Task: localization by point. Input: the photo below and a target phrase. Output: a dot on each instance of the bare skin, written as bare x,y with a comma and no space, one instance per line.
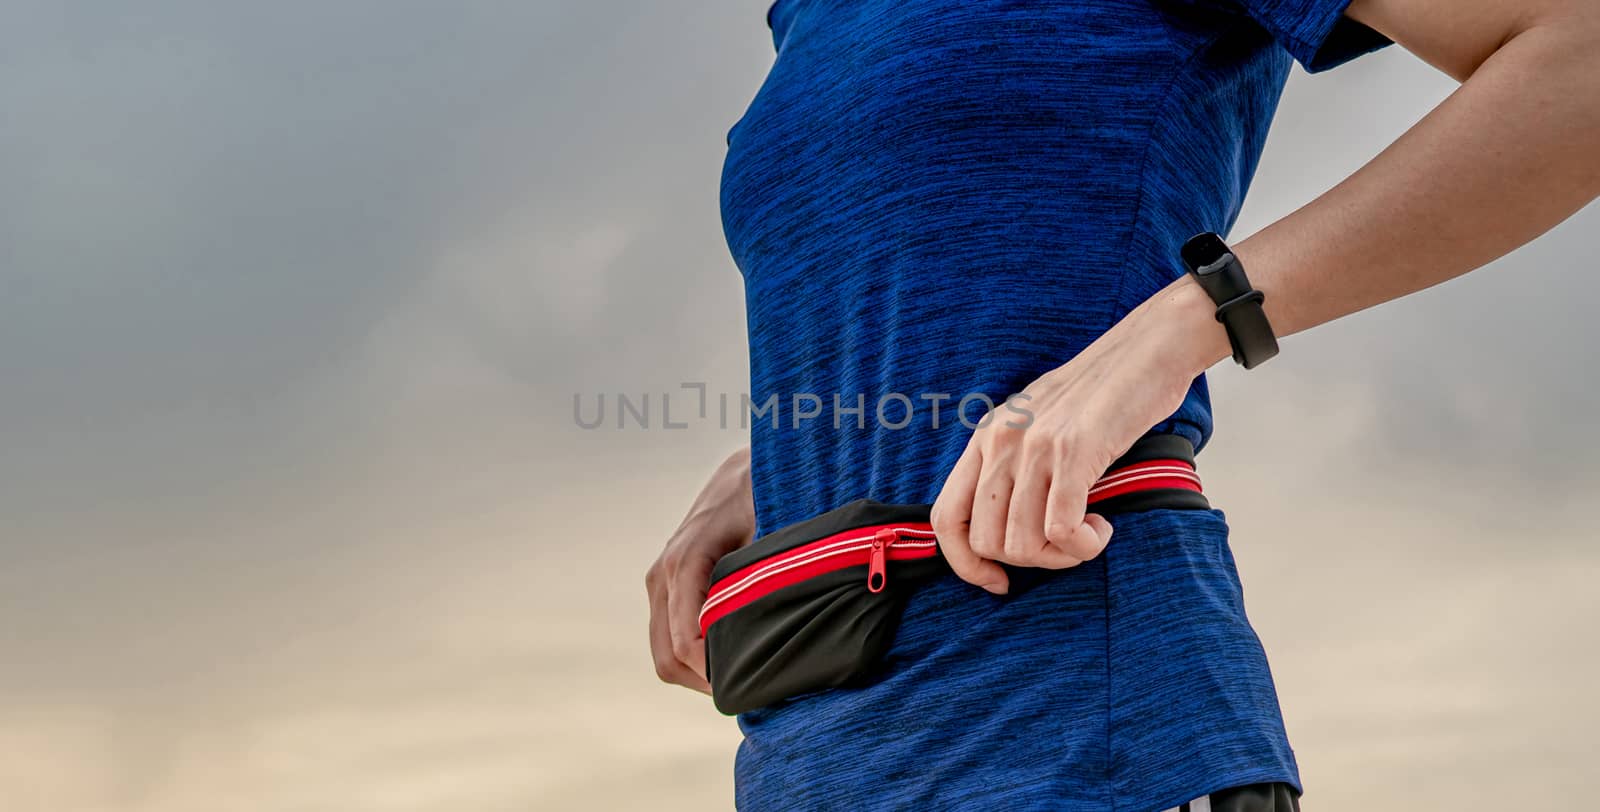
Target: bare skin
1510,154
721,520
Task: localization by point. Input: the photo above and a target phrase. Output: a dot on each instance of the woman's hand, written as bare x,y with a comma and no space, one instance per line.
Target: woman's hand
721,520
1019,492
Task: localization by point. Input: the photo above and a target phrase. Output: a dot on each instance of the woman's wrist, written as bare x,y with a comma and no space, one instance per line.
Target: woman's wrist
1182,320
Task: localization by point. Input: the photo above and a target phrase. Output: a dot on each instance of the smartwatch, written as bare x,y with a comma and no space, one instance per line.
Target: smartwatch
1221,276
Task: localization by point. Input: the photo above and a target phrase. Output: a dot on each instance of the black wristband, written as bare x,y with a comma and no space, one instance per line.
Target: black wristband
1222,277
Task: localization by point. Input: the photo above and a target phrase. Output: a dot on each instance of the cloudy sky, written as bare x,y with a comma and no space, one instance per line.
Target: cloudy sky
294,298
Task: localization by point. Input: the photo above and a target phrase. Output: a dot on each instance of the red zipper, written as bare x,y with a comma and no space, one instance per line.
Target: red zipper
877,545
877,559
874,546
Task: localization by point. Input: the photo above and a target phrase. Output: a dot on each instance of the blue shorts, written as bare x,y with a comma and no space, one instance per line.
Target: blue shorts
1131,682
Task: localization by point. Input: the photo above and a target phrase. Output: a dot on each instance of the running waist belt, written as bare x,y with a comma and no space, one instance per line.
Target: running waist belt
814,605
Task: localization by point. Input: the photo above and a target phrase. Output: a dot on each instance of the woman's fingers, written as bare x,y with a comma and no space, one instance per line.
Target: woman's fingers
1066,526
952,524
991,504
686,593
668,667
1009,500
1025,542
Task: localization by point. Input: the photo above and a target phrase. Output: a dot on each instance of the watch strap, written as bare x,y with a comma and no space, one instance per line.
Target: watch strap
1220,274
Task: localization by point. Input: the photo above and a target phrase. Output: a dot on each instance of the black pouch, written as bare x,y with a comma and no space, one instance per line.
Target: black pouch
815,605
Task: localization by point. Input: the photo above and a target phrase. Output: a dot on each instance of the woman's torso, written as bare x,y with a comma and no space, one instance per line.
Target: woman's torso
930,199
935,198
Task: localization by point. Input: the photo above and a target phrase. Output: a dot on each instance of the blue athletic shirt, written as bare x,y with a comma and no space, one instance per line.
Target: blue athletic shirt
933,202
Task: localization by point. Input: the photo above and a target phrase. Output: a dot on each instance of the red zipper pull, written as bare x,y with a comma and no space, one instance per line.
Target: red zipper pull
877,562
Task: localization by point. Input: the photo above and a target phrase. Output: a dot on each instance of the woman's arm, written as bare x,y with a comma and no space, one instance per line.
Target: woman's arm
1514,151
721,520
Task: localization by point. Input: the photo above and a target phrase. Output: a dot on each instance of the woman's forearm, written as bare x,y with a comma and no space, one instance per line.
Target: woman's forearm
1514,151
725,507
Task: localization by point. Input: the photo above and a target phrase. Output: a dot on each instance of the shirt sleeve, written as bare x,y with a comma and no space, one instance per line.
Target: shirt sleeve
1315,32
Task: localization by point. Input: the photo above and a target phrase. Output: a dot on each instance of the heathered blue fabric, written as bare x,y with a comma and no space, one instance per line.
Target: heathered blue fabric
947,197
